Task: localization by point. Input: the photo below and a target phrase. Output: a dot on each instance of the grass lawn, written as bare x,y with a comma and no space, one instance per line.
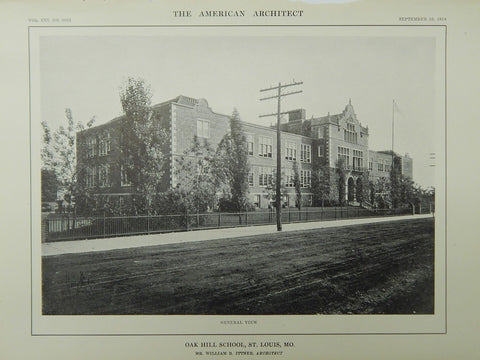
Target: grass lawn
363,269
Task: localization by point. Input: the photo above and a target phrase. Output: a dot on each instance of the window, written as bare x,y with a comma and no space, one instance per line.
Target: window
124,181
370,165
306,153
104,144
91,146
251,179
380,165
250,141
265,146
344,153
265,176
387,165
357,159
289,178
256,201
321,132
320,151
104,175
349,134
203,129
305,178
90,180
290,150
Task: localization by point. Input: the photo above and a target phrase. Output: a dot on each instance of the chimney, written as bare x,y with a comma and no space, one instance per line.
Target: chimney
298,114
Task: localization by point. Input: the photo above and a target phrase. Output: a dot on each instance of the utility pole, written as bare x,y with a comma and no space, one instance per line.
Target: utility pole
278,88
393,128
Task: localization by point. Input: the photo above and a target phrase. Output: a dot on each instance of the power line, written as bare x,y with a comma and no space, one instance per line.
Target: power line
279,96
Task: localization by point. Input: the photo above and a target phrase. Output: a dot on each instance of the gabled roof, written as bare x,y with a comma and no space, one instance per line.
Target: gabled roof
347,113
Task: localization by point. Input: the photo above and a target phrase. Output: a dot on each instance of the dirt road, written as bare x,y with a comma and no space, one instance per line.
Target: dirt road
364,269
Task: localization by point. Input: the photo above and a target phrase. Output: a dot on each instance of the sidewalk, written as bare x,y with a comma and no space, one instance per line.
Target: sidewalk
125,242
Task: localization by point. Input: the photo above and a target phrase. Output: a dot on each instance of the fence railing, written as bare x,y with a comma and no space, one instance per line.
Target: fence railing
68,227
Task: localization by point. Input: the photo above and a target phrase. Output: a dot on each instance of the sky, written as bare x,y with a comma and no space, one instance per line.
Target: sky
85,73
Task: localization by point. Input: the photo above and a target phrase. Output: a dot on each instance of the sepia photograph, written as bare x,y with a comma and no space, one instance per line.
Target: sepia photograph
179,177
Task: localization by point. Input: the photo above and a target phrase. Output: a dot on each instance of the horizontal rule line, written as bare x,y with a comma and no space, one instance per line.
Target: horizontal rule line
238,25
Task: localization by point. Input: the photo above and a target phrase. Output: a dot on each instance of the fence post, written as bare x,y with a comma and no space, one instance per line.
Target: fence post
246,215
335,212
186,218
198,220
148,222
104,225
219,219
289,220
306,214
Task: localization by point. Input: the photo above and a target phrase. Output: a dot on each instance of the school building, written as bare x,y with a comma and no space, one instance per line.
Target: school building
310,143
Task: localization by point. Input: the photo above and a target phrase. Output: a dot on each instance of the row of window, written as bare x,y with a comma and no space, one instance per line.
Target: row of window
383,165
265,144
265,149
100,176
287,200
349,134
103,145
357,159
266,176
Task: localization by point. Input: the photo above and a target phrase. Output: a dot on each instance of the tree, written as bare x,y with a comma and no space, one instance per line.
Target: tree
198,180
363,188
271,188
59,158
382,192
49,186
321,184
298,186
395,180
142,142
406,190
232,163
341,179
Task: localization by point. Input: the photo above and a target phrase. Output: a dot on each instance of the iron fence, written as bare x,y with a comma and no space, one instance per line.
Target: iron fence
59,227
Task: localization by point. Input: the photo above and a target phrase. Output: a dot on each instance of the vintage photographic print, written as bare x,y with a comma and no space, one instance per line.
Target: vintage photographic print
184,171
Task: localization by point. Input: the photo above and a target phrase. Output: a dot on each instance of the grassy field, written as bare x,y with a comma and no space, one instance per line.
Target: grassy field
364,269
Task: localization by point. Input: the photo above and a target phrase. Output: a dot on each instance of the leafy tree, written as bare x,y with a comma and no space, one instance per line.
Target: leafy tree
363,191
382,192
198,179
321,185
423,198
59,158
298,186
232,163
142,142
395,181
371,186
406,188
271,188
341,179
49,186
